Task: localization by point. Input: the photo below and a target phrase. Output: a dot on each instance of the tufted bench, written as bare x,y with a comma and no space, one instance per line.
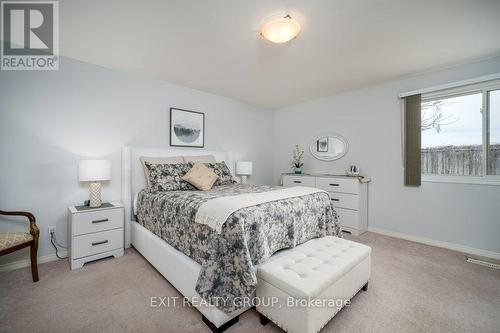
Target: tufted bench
302,288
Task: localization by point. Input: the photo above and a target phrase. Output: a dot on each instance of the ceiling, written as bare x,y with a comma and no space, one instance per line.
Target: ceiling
214,45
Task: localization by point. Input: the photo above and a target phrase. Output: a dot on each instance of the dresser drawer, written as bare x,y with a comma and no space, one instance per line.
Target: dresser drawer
343,185
95,221
289,181
348,218
86,245
345,200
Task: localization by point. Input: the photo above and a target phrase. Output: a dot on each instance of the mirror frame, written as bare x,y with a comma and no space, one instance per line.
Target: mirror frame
337,136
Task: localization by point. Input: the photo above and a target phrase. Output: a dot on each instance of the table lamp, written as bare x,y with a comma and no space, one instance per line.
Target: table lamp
244,169
94,171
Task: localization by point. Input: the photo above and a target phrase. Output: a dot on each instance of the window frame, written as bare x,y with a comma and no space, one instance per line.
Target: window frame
484,88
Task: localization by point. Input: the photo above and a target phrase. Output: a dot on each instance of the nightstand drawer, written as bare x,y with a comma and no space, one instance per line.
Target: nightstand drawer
86,245
95,221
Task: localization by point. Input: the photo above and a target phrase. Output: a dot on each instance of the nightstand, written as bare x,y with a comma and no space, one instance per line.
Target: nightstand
94,233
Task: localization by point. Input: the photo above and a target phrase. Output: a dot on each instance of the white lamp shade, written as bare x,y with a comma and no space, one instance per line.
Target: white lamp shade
244,168
94,170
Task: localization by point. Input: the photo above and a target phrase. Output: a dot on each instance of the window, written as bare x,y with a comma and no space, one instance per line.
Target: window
494,133
461,132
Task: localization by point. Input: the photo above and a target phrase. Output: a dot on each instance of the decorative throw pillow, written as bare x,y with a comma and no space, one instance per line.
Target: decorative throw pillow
158,160
222,171
201,177
168,177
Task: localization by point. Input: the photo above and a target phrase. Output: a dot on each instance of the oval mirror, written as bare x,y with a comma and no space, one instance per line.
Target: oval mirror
329,147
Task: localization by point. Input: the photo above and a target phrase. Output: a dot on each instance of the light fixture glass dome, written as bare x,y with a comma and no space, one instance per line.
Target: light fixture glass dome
280,30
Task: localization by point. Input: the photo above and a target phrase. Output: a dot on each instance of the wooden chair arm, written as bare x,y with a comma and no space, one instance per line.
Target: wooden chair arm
33,227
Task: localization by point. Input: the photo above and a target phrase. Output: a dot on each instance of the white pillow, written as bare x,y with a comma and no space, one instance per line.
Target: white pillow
200,159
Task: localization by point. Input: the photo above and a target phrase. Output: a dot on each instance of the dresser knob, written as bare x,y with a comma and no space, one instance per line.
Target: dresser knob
99,243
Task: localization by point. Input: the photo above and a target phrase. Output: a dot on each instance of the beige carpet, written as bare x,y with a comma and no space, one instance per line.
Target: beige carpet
414,288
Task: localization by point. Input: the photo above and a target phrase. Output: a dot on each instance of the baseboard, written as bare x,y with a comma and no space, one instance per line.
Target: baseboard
433,242
423,240
27,263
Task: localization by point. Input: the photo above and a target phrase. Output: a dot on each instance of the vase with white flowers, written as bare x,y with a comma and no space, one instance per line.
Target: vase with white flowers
297,160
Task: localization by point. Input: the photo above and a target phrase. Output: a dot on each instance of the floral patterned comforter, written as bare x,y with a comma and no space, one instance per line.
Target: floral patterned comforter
249,237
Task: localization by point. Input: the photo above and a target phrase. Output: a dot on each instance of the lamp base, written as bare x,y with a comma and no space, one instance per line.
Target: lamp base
243,179
95,194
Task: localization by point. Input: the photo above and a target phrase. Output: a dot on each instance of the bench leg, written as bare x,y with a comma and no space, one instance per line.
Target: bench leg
222,328
365,287
263,320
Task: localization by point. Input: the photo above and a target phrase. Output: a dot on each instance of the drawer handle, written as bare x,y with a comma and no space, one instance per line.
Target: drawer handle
334,199
334,184
297,182
99,243
100,221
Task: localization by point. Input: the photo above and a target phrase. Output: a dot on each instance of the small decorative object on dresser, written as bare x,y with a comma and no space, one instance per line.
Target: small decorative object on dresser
349,196
187,128
353,171
297,160
94,233
244,169
94,171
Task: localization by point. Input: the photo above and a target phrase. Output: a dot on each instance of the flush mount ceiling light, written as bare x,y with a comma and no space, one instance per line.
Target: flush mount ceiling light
280,30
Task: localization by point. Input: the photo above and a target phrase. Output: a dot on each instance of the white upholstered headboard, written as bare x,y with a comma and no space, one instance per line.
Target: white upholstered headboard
133,179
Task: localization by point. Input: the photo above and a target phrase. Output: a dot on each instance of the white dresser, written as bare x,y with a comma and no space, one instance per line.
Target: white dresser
94,233
348,194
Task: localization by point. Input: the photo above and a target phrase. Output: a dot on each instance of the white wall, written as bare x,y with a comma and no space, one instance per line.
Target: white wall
370,119
49,120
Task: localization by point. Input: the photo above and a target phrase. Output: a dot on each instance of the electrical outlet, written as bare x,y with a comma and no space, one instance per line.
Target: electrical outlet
52,229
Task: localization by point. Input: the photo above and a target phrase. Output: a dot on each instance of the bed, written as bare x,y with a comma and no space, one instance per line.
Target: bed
204,264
